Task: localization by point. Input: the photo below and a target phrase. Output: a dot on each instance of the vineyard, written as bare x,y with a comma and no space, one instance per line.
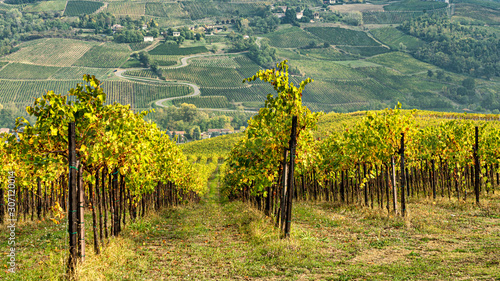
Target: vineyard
54,52
415,5
27,71
126,8
342,36
120,146
139,46
141,73
104,56
141,95
393,37
365,51
138,95
75,73
389,17
166,10
204,102
173,49
76,8
205,76
401,62
197,10
254,93
292,37
218,61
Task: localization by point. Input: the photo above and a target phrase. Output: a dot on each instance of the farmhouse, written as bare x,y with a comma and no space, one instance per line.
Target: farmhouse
177,34
117,27
148,39
299,15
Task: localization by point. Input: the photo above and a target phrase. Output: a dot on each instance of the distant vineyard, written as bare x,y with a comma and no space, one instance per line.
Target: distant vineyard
293,37
216,61
205,77
141,73
78,72
204,102
254,93
365,51
199,10
415,5
372,17
164,60
27,71
76,8
328,70
393,37
342,36
104,56
173,49
139,46
166,10
126,8
54,51
247,67
23,93
140,95
402,62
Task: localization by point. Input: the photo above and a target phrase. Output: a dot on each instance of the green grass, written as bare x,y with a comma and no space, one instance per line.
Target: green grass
77,8
175,50
393,37
292,37
342,36
104,56
27,71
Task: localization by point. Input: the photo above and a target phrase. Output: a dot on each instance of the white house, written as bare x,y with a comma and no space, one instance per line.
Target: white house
177,34
148,39
299,15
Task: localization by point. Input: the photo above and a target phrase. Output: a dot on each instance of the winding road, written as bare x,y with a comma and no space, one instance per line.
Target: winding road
196,88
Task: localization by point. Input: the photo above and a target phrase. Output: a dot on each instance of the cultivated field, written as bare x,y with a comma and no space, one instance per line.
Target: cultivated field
51,52
357,8
104,56
127,8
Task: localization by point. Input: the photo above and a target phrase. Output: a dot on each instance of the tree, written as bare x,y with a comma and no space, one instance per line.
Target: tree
469,83
196,133
430,73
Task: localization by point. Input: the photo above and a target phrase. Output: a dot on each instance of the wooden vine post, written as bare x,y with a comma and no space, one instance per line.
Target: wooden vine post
81,213
73,200
394,189
402,175
477,168
293,143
